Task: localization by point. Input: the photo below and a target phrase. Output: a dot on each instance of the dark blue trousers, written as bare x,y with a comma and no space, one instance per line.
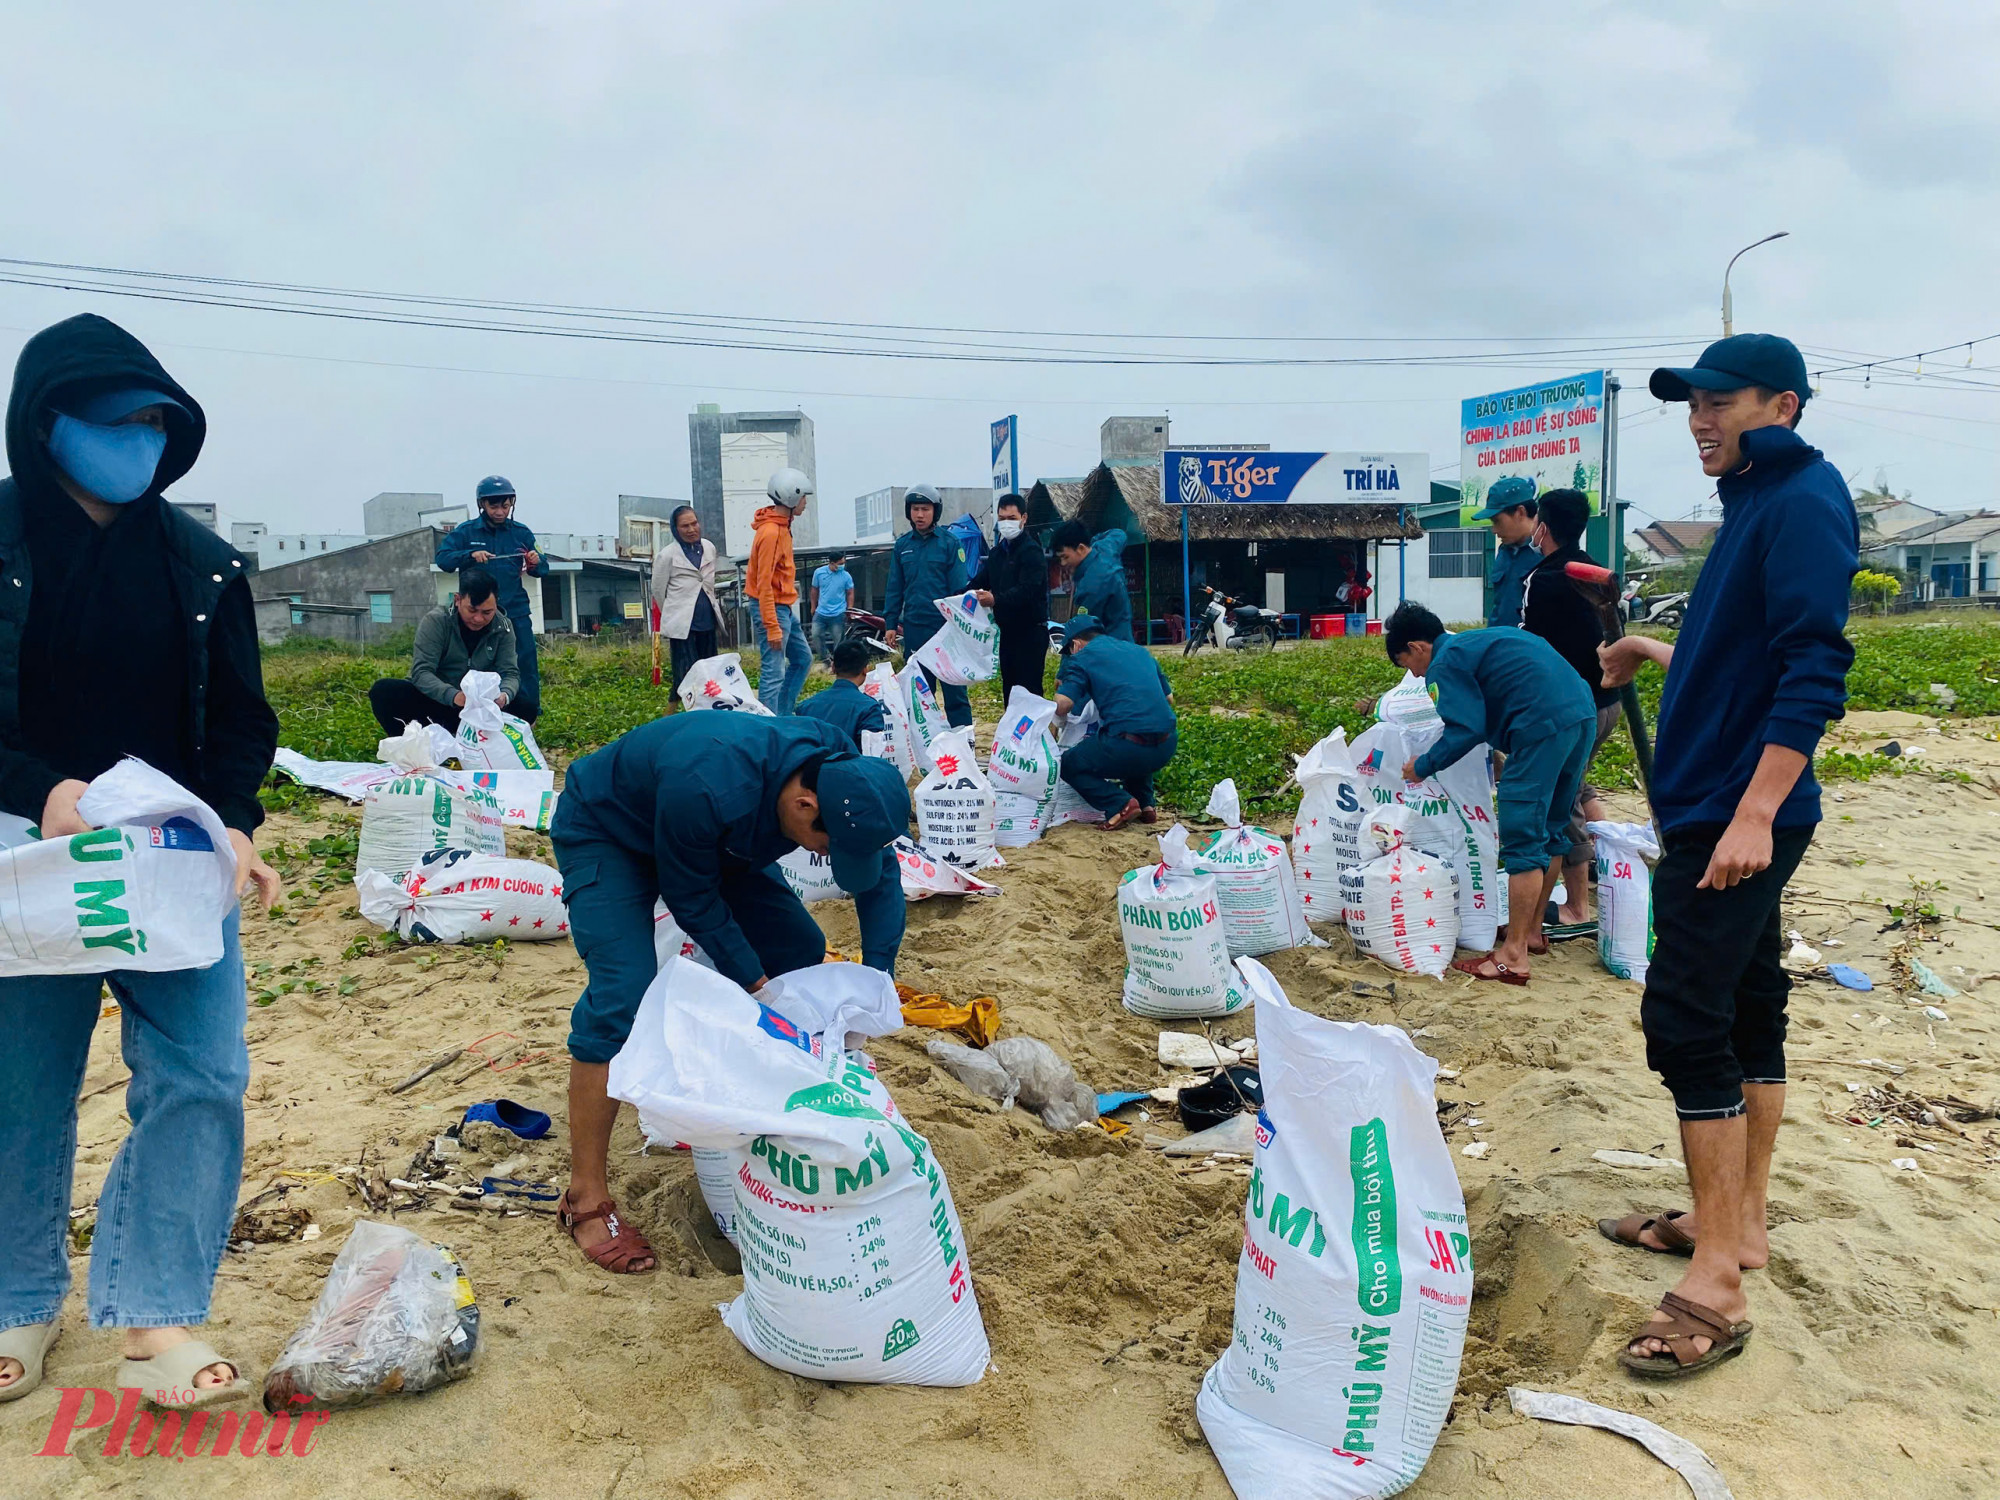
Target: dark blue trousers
1107,770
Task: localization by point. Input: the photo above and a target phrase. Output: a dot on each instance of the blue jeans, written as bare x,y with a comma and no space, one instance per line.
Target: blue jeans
1108,770
783,667
611,891
828,631
164,1213
957,702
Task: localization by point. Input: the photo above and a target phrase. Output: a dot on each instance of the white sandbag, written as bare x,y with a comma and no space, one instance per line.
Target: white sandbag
490,738
1625,855
1176,959
1409,705
893,743
1261,912
412,750
526,799
1017,821
352,779
954,804
925,875
967,648
1450,818
406,818
1068,806
810,876
1326,835
451,896
854,1266
1355,1280
148,888
1023,762
669,941
1402,906
921,715
718,682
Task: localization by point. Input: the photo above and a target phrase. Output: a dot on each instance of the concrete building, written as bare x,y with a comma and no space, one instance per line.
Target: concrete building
576,544
732,456
1951,557
879,518
199,511
266,548
396,511
643,524
359,592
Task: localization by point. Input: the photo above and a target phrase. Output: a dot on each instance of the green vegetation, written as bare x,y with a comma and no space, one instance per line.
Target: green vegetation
1241,716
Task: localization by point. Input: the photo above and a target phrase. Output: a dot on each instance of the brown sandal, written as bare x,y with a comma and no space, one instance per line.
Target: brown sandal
1501,973
615,1254
1674,1240
1686,1321
1129,813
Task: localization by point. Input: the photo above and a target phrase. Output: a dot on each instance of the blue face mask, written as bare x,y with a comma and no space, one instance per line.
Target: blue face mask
113,464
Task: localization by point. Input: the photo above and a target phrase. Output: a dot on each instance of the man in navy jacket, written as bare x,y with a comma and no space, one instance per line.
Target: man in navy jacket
501,545
1759,669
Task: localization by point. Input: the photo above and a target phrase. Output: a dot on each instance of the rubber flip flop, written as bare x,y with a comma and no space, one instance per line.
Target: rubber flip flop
1504,976
528,1124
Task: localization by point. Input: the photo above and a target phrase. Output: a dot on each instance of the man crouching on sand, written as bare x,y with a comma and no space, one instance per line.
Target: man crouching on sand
1759,669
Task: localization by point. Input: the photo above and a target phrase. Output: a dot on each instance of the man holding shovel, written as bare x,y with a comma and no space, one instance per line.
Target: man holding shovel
1759,669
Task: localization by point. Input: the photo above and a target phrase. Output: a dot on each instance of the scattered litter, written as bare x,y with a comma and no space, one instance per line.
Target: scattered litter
1903,1163
1230,1092
1635,1159
396,1316
1474,1124
528,1124
1849,976
1447,1072
1477,1149
978,1020
1854,1088
1944,695
1935,1014
1108,1102
1802,954
1680,1455
1237,1133
1186,1049
1044,1083
310,1233
1930,981
974,1069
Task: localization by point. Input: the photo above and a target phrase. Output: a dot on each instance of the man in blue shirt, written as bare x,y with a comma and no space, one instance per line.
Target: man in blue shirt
927,564
694,811
1759,669
1513,691
1510,506
845,705
501,545
1113,770
832,586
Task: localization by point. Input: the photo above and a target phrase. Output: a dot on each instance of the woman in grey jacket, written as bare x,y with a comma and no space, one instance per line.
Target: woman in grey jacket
684,593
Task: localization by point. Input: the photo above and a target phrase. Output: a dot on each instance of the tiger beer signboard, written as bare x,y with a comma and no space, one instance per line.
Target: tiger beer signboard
1211,476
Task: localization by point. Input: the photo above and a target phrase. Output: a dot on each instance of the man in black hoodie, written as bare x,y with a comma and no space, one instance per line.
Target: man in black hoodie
1552,608
125,630
1013,582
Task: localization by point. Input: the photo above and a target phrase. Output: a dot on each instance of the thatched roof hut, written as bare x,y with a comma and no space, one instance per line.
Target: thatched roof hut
1128,495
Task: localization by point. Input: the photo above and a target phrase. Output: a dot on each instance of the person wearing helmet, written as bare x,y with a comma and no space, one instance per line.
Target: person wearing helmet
771,578
926,565
501,545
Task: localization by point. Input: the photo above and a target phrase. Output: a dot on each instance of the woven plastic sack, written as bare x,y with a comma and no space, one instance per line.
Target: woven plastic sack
1355,1279
1326,835
810,876
891,744
954,804
1261,911
1625,855
925,875
1451,816
967,647
921,714
1176,958
718,682
1023,762
490,738
1402,906
411,816
451,896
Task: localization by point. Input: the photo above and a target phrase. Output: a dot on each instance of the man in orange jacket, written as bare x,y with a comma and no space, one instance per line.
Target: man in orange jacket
772,579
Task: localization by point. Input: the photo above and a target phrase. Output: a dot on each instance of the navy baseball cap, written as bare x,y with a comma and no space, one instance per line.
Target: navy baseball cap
1736,363
865,804
1505,495
109,407
1077,625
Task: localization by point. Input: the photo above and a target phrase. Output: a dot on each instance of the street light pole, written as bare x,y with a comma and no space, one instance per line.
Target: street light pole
1728,324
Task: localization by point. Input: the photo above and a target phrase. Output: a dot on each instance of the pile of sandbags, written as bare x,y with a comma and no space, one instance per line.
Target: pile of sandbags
1354,1285
1402,905
1261,911
1176,958
452,896
147,888
408,817
854,1264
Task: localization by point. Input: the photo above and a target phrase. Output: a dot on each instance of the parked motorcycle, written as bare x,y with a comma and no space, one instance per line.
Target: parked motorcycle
1664,610
1231,625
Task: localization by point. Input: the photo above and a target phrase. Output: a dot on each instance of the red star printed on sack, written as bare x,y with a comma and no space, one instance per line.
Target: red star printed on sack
486,916
562,927
557,893
1427,895
513,921
1307,898
538,921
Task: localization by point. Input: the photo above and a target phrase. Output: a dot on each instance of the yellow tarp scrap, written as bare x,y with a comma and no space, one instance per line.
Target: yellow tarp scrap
978,1021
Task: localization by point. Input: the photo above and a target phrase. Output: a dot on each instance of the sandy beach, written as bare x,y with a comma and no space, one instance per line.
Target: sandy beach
1105,1271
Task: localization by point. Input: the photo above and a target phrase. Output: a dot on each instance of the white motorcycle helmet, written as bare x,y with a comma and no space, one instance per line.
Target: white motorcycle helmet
789,488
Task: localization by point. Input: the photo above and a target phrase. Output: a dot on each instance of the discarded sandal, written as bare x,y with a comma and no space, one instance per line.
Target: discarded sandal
528,1124
615,1254
1501,972
1686,1322
167,1379
29,1346
1673,1239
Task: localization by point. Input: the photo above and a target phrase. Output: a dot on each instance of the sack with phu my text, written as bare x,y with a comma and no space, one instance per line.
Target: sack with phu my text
1176,957
1355,1279
1253,878
967,647
1402,906
924,720
854,1262
1625,855
891,744
147,888
954,805
452,896
1023,762
405,819
489,738
1326,836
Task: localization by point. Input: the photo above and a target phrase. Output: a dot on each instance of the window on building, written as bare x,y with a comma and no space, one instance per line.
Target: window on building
298,615
382,608
281,544
1457,554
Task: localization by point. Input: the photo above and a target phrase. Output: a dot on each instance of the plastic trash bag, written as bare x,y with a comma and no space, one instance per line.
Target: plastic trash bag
147,888
1044,1083
974,1069
1355,1279
396,1316
1625,854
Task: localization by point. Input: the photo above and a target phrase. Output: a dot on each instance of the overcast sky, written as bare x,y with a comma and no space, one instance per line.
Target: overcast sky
1405,170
